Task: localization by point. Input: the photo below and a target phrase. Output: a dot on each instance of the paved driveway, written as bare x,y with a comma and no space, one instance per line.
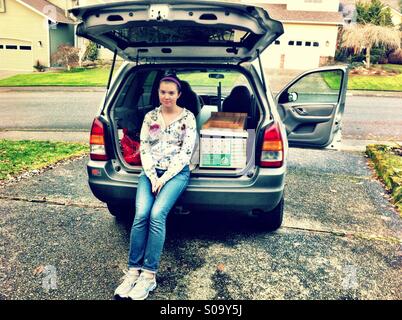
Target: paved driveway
9,73
341,239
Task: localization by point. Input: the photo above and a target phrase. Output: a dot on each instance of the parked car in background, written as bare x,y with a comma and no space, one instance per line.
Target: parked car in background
211,47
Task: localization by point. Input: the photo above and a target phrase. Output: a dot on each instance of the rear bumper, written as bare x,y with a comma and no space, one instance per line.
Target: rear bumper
263,191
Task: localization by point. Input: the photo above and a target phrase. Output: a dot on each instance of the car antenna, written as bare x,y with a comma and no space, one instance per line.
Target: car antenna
110,78
261,70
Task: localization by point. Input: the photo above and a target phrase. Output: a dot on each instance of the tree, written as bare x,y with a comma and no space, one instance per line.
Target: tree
400,10
366,36
91,52
66,56
373,12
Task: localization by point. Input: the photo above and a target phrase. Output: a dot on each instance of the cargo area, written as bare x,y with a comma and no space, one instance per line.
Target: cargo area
226,112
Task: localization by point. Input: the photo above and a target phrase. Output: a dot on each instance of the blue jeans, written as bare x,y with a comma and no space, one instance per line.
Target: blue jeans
149,227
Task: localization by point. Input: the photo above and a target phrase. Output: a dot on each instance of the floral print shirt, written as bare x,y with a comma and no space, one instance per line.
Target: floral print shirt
166,147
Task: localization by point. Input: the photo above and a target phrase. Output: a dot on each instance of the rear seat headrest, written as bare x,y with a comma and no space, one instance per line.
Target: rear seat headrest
189,99
239,100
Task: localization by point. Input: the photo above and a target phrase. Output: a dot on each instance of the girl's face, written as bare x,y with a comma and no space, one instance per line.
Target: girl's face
168,94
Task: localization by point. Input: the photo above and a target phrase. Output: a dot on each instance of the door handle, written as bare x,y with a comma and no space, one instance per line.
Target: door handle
301,111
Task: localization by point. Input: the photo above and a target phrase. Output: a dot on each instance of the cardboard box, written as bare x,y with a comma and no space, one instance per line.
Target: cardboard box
226,120
223,149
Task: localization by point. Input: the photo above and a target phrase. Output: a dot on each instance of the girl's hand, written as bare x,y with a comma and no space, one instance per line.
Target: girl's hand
157,187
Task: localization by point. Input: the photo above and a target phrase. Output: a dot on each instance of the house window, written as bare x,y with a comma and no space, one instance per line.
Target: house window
277,42
2,6
308,43
1,46
298,43
25,48
316,44
291,43
11,47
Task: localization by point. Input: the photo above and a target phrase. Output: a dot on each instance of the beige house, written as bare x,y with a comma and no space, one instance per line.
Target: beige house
31,31
396,16
311,29
311,32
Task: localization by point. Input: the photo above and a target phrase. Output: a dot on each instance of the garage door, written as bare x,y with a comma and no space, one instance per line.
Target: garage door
15,55
302,55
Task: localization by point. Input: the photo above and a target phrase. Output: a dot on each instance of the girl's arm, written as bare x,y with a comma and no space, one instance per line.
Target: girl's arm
145,151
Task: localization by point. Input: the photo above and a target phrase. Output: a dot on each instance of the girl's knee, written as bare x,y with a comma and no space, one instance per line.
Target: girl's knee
141,214
158,214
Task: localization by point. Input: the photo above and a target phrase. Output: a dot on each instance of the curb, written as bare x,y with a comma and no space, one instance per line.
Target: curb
356,93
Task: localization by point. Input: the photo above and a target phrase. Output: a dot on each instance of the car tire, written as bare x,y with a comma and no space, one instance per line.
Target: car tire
272,220
121,212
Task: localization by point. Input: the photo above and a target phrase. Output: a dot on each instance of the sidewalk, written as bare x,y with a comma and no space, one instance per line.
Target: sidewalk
9,73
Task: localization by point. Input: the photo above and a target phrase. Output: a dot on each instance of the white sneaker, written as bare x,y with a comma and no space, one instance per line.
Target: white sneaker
129,280
142,288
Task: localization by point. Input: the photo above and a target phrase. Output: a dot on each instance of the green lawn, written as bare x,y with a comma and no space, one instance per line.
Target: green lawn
17,157
98,77
390,67
385,83
79,77
332,80
376,83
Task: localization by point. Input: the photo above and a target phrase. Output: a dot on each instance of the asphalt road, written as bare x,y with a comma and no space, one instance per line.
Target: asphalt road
366,118
341,239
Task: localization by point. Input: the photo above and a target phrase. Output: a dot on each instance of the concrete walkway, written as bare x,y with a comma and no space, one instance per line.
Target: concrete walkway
9,73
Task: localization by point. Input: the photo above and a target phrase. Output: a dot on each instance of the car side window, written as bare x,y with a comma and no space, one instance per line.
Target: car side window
145,98
316,87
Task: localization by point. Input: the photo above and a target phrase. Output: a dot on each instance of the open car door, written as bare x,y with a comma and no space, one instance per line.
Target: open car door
311,106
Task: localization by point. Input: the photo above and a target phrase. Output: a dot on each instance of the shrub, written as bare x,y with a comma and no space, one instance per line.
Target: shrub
356,64
66,56
39,67
395,57
387,162
91,52
89,64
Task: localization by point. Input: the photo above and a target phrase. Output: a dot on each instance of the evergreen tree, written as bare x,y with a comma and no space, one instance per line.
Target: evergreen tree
373,12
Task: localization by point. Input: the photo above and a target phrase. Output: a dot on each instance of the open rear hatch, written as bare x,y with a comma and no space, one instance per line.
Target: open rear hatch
167,30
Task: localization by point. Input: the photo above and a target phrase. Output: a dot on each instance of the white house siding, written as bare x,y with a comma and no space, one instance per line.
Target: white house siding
301,56
16,55
20,26
314,5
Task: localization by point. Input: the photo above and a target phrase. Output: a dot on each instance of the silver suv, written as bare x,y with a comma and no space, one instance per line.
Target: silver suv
214,48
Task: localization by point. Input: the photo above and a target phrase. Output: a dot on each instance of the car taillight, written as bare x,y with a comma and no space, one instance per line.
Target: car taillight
272,148
97,141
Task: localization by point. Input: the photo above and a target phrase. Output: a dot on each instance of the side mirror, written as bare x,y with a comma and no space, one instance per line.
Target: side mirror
292,96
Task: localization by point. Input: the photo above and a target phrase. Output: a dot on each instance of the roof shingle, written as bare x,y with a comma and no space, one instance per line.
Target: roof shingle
46,8
280,12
